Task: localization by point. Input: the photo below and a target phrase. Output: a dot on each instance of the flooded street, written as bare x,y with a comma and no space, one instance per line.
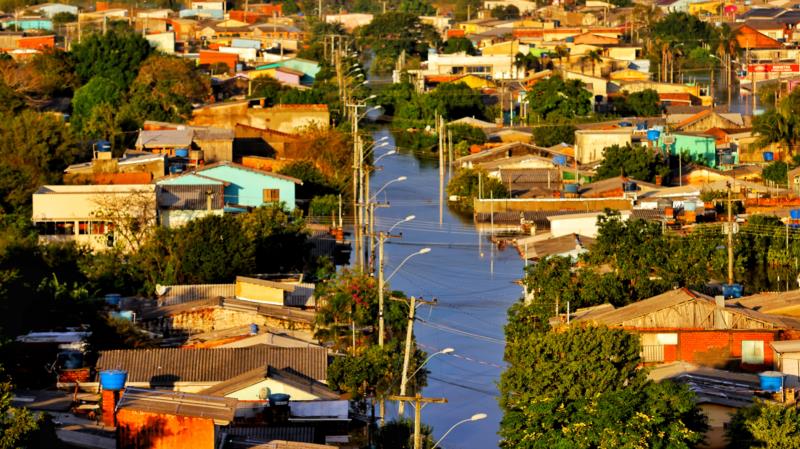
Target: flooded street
474,286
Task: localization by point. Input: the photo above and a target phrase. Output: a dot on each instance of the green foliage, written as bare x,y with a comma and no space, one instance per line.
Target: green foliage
399,434
64,17
115,55
632,161
641,104
35,148
765,425
466,133
780,125
776,172
581,387
505,12
452,100
458,45
324,206
315,183
532,63
388,35
86,102
548,135
684,28
554,98
469,184
16,424
417,7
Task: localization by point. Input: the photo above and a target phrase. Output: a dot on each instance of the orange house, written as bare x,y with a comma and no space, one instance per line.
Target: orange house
37,42
161,419
208,57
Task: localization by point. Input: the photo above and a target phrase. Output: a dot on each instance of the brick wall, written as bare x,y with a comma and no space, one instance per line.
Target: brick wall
137,429
718,348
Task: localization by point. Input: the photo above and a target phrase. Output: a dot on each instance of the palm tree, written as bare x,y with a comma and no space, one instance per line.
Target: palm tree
594,57
562,51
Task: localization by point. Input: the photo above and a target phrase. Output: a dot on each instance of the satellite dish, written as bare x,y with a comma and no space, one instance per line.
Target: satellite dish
161,290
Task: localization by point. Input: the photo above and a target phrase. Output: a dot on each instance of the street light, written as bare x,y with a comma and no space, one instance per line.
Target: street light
411,217
399,179
388,153
411,376
475,417
381,283
422,251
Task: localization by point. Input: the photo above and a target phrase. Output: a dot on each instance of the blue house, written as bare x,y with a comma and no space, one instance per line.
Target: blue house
243,186
28,23
699,147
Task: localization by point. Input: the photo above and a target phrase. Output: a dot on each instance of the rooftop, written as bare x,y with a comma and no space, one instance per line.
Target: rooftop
178,404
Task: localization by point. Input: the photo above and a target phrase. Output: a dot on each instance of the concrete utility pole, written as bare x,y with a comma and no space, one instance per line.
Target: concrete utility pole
418,400
412,309
441,129
730,238
356,164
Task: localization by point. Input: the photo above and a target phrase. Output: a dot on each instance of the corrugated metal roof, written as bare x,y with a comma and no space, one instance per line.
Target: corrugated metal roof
178,138
286,377
178,404
785,346
265,434
190,197
166,366
178,294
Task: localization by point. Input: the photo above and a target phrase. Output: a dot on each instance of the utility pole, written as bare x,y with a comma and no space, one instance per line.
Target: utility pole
418,400
450,154
441,168
730,238
320,10
356,163
412,309
382,236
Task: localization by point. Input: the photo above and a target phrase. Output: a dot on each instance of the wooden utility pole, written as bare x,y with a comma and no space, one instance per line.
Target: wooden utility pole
730,238
412,308
418,400
450,154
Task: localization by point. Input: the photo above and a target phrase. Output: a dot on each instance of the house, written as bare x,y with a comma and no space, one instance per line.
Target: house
750,38
530,182
50,9
82,213
695,146
787,361
134,167
704,120
309,69
27,24
718,393
180,204
538,247
578,223
615,188
161,419
195,143
210,58
258,383
195,370
243,186
286,118
524,6
684,325
776,303
589,143
499,152
349,21
163,42
495,67
265,143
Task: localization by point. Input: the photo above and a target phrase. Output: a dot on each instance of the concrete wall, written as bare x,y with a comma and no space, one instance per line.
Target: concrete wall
589,144
213,318
259,292
137,429
178,218
220,150
286,118
585,224
578,205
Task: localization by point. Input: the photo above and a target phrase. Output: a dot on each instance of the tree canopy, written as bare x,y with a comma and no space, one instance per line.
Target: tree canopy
115,55
458,45
554,98
635,162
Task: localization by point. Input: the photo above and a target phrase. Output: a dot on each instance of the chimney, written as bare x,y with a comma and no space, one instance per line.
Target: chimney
109,404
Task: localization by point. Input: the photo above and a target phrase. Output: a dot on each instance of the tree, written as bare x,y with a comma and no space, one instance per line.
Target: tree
554,98
418,7
780,125
115,55
454,101
765,425
133,217
35,148
642,104
776,172
635,162
549,135
315,183
592,57
275,231
469,184
99,90
393,33
505,12
581,387
458,45
16,424
166,88
466,133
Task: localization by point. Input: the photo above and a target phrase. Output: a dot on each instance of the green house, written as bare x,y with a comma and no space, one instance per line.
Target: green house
699,147
243,186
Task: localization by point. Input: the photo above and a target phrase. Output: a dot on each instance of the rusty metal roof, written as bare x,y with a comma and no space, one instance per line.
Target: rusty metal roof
166,366
178,404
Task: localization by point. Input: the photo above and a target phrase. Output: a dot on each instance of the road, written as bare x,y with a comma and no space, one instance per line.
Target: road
474,285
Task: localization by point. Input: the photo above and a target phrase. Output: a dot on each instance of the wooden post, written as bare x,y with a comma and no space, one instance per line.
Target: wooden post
418,400
730,238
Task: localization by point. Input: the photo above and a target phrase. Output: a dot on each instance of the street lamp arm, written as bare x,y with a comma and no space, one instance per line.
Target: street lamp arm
371,199
476,417
443,351
422,251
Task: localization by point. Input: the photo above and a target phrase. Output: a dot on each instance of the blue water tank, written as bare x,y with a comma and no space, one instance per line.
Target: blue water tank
176,168
253,329
570,39
182,152
113,380
795,214
571,188
653,135
278,399
771,381
560,159
113,299
768,156
629,186
732,290
103,145
690,206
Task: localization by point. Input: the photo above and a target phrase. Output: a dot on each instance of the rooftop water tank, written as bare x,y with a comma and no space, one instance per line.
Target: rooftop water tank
771,381
571,188
653,135
103,145
732,290
182,152
768,156
560,159
795,214
629,186
113,380
278,399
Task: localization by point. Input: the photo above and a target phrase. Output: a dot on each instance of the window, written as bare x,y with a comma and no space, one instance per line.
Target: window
667,339
83,227
272,195
753,352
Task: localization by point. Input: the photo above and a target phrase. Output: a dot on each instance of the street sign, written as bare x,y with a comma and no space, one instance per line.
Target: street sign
773,68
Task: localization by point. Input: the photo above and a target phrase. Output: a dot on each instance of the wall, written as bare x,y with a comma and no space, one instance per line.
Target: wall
247,186
251,393
137,430
589,145
178,218
216,318
578,205
164,42
717,348
697,146
284,118
217,150
258,292
586,224
212,57
718,417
